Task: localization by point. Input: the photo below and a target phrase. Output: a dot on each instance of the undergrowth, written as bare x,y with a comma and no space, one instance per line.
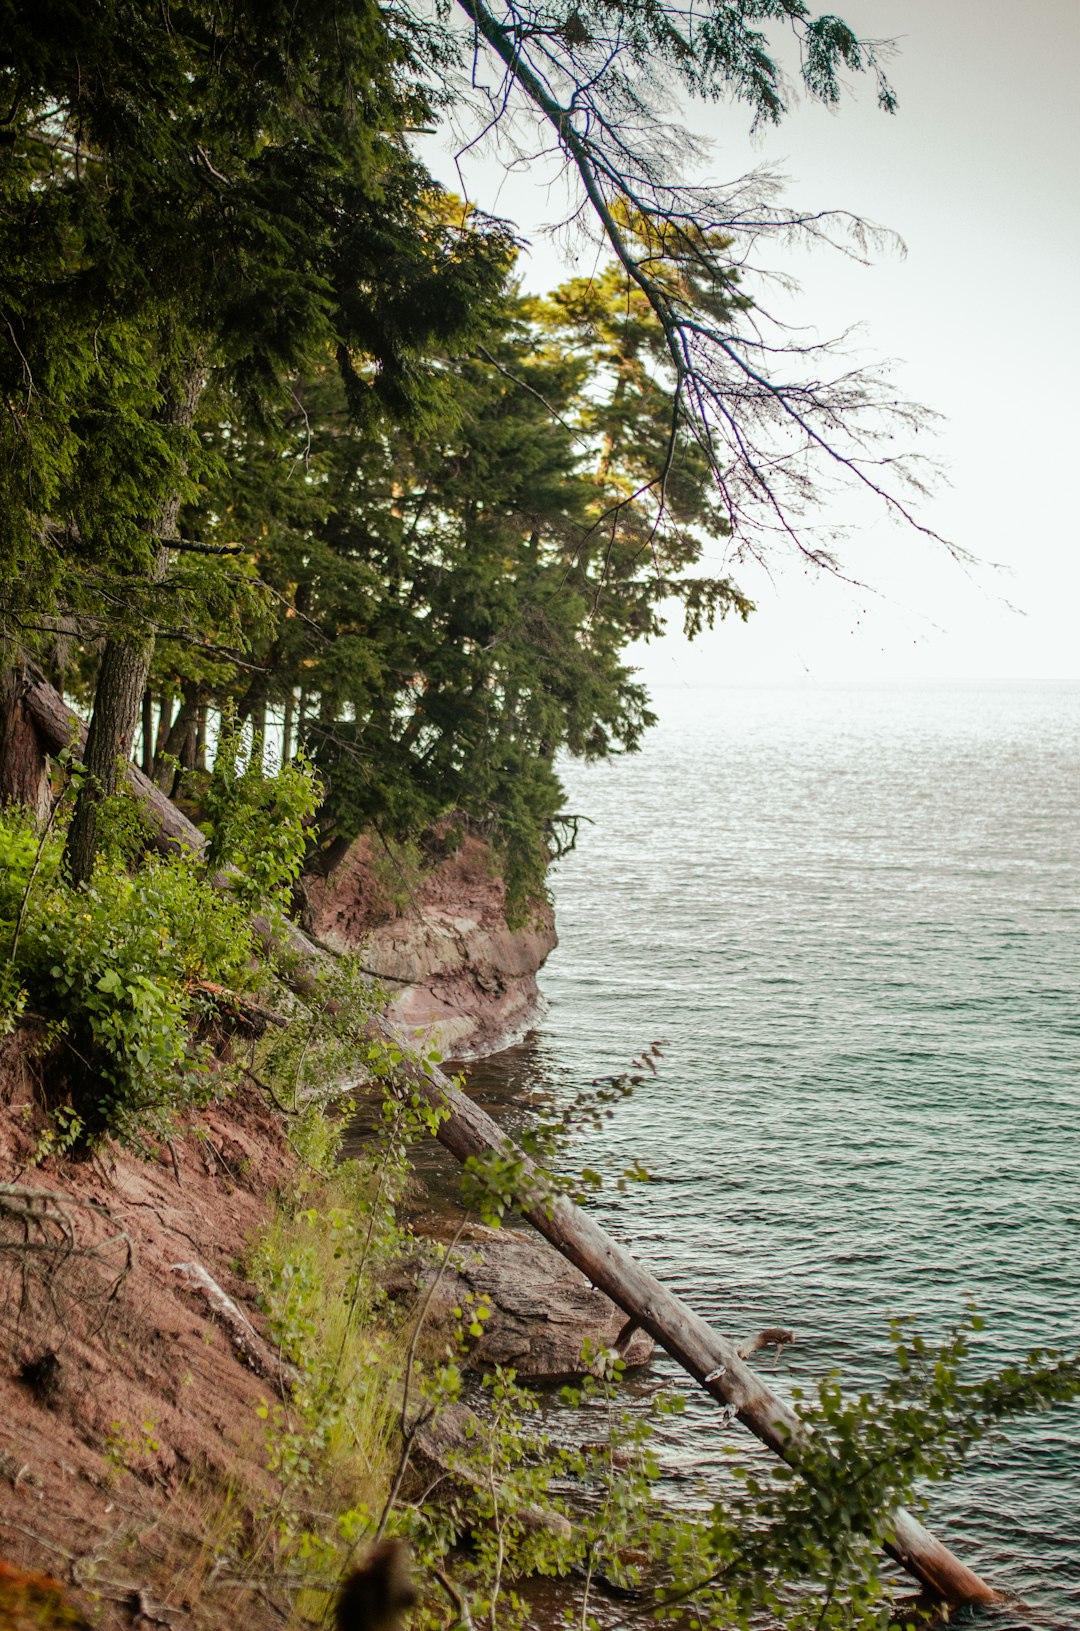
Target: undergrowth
507,1504
127,972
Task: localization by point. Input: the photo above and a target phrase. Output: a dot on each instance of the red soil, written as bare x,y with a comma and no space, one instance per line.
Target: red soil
126,1415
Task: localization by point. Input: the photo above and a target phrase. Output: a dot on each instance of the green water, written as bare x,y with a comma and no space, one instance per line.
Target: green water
855,916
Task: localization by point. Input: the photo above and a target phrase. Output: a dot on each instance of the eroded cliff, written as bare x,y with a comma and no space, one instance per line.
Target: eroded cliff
459,977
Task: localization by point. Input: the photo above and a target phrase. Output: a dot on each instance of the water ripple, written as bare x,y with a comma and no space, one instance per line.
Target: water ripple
856,917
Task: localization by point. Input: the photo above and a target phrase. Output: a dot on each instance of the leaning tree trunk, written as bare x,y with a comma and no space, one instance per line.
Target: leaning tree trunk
122,676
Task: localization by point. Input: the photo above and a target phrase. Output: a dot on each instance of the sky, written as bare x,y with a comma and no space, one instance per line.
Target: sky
979,173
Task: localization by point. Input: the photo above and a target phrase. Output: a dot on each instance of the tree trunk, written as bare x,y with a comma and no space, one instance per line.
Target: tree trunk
125,668
258,732
713,1360
125,664
179,746
287,726
185,754
200,737
164,726
24,761
59,726
148,732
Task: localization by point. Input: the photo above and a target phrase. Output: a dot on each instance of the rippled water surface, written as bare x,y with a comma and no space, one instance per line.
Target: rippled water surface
854,914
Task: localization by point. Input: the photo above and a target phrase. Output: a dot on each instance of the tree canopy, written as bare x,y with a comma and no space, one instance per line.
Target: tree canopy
272,399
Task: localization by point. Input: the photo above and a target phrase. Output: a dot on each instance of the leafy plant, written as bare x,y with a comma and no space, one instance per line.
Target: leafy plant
119,970
258,823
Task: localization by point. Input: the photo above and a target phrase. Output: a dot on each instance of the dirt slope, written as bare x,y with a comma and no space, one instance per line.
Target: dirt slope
129,1439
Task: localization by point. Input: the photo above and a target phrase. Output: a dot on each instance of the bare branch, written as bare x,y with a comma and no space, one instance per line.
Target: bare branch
776,431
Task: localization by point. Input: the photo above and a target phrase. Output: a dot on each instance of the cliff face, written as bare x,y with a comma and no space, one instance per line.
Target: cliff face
460,979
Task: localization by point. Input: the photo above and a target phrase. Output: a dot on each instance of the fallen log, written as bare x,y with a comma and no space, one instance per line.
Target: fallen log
712,1359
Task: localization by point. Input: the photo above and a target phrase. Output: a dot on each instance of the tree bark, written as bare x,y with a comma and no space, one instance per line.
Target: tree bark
180,742
122,676
148,731
287,726
59,726
200,737
164,726
125,664
711,1358
258,732
24,758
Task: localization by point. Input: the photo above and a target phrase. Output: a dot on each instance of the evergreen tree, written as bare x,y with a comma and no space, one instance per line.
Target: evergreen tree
448,610
194,198
432,565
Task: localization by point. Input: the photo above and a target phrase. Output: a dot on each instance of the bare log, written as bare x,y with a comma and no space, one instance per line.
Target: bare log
259,1354
712,1359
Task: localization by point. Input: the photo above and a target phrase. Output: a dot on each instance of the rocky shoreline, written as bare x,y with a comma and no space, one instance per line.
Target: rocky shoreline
459,977
127,1388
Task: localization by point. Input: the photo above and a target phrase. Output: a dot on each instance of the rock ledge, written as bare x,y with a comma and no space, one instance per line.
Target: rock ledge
460,978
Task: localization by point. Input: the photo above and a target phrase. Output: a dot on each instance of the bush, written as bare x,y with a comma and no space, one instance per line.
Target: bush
258,823
117,970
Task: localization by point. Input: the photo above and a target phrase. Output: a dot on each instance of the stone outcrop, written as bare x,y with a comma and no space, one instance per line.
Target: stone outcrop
458,976
543,1310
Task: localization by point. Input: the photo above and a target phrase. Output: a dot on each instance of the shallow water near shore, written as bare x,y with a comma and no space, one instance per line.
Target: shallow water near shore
854,914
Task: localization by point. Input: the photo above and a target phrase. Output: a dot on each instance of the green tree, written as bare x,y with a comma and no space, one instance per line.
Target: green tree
773,426
195,201
452,605
177,262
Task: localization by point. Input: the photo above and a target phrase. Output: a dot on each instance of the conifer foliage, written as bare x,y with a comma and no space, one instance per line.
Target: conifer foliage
277,430
196,201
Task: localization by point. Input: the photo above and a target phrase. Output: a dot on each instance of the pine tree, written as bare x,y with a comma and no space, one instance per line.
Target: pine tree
194,199
452,605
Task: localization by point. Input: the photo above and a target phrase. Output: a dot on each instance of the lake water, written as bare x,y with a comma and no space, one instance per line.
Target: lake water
854,914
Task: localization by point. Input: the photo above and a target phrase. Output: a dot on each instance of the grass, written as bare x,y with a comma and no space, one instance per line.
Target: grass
334,1445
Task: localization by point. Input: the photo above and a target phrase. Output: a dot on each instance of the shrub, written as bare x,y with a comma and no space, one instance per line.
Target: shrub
258,823
117,970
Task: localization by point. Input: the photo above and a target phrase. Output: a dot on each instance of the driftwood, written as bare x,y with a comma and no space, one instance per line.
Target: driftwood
775,1336
712,1359
258,1353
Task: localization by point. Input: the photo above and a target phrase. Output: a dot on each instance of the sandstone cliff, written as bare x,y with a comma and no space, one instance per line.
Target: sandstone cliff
459,977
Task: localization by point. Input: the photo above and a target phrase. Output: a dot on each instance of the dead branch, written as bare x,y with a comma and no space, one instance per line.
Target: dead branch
773,1335
258,1353
43,1242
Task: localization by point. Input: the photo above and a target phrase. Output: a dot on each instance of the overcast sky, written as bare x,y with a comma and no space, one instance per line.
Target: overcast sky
979,172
